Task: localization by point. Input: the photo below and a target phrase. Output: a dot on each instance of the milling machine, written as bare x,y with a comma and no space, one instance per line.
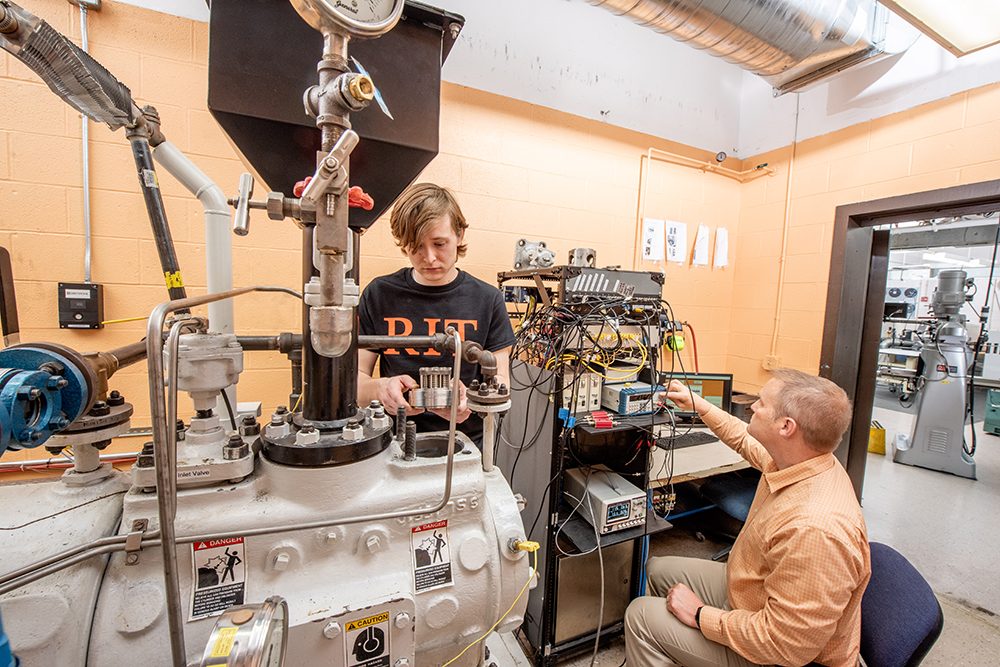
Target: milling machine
938,438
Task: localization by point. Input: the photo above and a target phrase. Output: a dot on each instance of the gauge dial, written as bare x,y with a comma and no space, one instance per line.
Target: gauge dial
360,18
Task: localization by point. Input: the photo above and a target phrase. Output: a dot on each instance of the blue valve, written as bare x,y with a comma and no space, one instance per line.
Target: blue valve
43,389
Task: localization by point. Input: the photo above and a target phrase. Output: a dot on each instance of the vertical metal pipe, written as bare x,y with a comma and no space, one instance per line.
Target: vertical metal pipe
489,440
85,134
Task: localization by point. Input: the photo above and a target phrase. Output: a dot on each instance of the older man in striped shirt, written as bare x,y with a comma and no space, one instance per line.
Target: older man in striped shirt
791,591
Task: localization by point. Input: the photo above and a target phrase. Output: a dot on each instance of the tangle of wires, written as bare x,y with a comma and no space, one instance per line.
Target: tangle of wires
557,346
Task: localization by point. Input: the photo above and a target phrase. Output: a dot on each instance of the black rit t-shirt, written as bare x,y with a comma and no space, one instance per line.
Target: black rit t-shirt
397,305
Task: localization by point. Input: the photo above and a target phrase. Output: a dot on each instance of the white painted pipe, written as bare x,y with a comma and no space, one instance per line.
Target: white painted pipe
218,238
218,242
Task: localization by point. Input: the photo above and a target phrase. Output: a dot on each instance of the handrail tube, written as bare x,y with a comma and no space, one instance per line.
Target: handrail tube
52,569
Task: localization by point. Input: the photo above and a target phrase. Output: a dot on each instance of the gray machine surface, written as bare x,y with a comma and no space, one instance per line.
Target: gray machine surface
938,439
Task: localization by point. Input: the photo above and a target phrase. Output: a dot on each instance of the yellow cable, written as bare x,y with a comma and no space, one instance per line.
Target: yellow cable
127,319
297,401
523,546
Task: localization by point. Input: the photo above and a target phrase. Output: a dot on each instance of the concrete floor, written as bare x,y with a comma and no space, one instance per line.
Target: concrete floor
945,526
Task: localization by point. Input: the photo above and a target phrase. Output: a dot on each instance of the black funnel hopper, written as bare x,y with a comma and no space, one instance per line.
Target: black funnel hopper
262,58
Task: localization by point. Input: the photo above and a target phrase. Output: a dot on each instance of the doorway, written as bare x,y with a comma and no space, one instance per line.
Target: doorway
855,295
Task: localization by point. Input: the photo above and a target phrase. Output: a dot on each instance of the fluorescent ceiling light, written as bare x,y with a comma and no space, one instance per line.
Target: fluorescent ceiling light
943,258
961,26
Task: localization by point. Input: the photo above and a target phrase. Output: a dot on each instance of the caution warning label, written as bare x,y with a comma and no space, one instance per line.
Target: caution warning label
431,556
367,641
219,576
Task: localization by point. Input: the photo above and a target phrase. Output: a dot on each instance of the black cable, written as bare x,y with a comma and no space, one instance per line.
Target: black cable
229,408
983,337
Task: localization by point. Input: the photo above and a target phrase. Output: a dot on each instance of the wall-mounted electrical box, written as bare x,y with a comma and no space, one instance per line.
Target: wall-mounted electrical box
81,306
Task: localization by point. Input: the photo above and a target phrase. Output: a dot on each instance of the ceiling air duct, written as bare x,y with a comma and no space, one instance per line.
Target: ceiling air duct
789,43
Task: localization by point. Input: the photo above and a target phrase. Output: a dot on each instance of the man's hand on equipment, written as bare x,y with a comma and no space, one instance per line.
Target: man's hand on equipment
685,399
463,411
683,603
392,393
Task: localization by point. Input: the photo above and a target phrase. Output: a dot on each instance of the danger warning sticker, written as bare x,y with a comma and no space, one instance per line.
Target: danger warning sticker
219,576
367,641
431,556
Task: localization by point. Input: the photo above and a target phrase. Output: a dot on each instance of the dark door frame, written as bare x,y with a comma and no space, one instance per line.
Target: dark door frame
856,292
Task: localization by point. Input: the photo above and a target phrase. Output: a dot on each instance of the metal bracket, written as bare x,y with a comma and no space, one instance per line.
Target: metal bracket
133,541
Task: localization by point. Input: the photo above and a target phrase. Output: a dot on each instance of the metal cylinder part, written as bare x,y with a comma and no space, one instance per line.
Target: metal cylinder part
434,391
950,293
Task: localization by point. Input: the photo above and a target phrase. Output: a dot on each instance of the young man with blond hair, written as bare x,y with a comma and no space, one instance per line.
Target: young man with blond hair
790,593
426,298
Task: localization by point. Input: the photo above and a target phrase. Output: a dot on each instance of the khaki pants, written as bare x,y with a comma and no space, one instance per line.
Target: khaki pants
655,638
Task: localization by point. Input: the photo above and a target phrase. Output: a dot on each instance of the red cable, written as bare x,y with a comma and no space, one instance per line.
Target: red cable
694,346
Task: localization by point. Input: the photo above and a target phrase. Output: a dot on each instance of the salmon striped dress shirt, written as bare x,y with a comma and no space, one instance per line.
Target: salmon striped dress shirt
797,572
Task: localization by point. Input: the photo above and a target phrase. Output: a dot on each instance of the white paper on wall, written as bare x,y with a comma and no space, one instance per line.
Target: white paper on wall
721,247
701,246
652,240
676,242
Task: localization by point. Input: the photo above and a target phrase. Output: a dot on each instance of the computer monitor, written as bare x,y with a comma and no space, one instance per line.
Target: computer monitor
716,388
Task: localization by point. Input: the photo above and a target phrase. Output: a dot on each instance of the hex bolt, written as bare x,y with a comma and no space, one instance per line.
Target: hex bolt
100,409
34,394
62,382
249,427
281,562
277,419
52,368
454,29
402,662
402,620
373,543
503,388
280,410
332,630
115,399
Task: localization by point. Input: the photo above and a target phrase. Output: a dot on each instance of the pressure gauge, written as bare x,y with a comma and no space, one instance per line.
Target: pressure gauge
360,18
250,635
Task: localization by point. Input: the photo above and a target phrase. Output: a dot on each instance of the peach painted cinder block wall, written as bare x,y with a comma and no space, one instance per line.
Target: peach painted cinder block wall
519,171
948,142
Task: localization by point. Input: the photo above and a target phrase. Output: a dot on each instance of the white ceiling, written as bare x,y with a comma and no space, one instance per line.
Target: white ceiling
573,57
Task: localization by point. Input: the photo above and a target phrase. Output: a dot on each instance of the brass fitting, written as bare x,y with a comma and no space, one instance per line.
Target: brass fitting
362,88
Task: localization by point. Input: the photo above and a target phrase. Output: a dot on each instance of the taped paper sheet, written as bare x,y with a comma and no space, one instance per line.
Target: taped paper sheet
721,247
701,246
676,242
652,240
